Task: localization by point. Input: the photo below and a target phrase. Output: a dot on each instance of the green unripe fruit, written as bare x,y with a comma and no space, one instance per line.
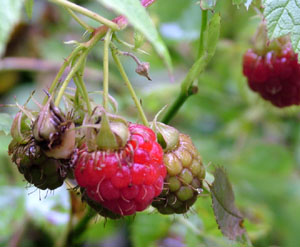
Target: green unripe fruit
185,172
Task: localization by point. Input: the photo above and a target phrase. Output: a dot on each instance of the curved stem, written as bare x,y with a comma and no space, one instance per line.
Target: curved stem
187,88
78,65
62,69
87,13
177,104
69,77
84,93
129,86
80,85
80,22
106,69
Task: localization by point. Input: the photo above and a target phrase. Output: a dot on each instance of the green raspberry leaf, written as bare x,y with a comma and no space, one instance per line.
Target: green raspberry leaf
139,18
5,123
228,217
10,12
283,18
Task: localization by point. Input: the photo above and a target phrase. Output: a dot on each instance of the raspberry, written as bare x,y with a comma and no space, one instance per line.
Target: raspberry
185,173
123,180
98,207
37,168
275,75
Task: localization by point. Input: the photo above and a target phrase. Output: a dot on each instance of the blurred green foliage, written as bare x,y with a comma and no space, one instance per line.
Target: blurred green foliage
258,145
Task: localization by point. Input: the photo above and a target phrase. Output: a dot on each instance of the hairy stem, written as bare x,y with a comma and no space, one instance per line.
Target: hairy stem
130,88
106,69
87,13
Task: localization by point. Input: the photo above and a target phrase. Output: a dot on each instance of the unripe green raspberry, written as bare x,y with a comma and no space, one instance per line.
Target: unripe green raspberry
185,173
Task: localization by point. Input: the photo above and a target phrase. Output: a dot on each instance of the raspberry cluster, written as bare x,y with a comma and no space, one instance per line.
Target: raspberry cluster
274,75
120,167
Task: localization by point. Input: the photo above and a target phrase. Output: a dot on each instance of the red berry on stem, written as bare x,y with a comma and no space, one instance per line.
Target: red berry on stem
274,74
124,180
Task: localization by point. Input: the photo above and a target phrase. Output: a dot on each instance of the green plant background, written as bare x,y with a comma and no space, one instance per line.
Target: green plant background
258,145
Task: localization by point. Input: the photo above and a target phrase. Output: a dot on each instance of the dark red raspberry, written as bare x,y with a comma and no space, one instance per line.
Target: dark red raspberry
275,75
124,180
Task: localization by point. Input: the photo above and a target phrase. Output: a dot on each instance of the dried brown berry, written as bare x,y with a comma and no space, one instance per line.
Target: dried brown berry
54,133
38,169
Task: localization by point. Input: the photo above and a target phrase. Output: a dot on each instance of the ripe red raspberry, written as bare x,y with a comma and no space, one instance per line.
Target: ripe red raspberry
275,75
123,180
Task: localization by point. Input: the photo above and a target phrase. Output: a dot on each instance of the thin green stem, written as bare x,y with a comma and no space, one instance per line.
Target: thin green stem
177,104
202,31
84,92
80,22
80,83
129,86
106,69
69,77
187,88
62,69
78,65
130,46
87,13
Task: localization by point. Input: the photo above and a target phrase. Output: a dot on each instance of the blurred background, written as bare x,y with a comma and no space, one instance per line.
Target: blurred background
258,145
